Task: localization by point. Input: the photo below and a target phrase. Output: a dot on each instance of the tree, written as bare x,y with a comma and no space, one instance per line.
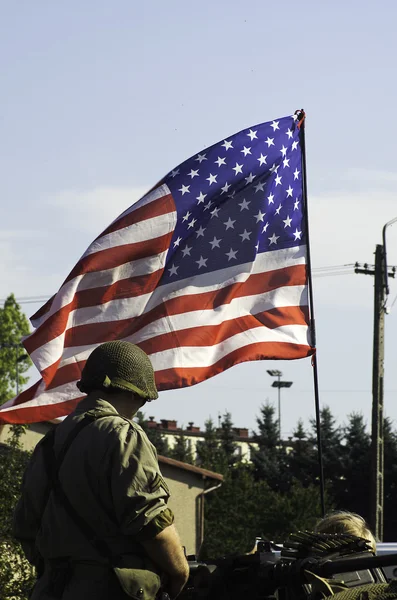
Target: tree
182,450
332,450
354,494
243,508
268,430
390,475
270,460
302,457
13,326
16,574
227,438
154,435
210,454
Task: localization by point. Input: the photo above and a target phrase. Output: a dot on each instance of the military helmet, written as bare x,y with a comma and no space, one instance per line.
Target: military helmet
119,365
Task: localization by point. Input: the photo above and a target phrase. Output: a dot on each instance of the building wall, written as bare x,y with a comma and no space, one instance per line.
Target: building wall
186,489
33,434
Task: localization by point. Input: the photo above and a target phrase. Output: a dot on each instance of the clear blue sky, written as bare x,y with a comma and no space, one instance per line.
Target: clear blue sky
101,99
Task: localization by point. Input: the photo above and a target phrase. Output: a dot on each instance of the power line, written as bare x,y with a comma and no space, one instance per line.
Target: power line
328,271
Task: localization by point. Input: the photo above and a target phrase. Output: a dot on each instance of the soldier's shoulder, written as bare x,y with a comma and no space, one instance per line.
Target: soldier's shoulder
133,426
117,421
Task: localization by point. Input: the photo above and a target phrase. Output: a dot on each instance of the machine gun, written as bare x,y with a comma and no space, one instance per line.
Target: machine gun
307,566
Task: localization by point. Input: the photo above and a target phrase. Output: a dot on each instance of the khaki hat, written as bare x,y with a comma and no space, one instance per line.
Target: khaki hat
119,365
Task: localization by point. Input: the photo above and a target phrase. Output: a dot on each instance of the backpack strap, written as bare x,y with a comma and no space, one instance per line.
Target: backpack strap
53,465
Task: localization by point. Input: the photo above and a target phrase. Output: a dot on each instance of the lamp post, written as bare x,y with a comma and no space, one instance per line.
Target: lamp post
279,384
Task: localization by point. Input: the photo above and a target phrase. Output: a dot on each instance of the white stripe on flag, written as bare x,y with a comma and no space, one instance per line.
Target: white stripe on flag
205,356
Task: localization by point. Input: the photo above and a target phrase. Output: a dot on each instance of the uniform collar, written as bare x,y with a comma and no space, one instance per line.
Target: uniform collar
89,403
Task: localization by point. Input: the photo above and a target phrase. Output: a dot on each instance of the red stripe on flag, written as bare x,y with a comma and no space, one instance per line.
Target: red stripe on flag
27,395
67,373
210,335
43,310
119,255
158,207
207,335
95,333
168,379
42,412
56,324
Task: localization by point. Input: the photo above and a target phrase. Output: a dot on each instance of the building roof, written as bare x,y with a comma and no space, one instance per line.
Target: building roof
204,473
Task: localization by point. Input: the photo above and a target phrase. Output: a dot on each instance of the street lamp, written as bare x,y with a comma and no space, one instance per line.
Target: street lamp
279,384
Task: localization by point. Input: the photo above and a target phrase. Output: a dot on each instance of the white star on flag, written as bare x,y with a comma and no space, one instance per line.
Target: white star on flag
214,212
225,188
250,178
231,254
173,270
201,197
259,187
227,145
212,178
252,135
229,224
200,231
245,235
215,243
244,204
186,250
202,262
238,168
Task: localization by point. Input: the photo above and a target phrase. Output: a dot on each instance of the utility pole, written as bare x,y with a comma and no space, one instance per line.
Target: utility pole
381,273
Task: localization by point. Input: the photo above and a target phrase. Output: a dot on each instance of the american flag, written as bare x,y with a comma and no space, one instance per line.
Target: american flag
206,271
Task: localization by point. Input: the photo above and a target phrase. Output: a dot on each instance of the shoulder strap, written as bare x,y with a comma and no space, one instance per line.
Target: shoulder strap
53,465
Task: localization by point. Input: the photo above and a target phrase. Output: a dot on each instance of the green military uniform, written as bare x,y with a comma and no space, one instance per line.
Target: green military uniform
111,476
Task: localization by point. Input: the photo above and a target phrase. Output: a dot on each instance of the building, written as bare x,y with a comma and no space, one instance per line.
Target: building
170,431
188,485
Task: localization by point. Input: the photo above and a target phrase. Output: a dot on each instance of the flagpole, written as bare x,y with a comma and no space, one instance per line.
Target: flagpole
301,124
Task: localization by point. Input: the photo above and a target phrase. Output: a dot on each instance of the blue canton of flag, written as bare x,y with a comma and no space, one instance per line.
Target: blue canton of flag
239,197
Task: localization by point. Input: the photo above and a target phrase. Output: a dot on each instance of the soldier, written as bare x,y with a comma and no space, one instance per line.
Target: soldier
93,515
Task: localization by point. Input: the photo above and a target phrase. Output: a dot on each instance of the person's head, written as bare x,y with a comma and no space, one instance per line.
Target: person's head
121,373
343,521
